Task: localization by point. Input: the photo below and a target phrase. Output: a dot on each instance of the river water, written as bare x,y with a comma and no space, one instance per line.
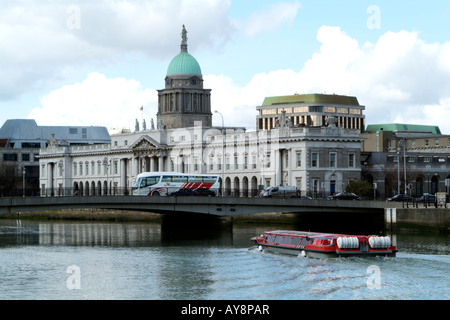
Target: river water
114,260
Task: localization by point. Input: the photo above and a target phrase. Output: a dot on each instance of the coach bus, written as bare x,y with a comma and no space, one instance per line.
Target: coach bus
166,183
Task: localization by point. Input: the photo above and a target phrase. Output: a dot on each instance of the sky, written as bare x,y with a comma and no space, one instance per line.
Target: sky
95,63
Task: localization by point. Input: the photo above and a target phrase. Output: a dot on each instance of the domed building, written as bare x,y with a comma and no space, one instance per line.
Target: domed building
184,101
311,142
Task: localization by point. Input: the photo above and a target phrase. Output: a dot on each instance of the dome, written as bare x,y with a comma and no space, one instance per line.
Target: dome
184,63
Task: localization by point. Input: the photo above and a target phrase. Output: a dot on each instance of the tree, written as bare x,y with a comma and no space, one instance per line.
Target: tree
361,188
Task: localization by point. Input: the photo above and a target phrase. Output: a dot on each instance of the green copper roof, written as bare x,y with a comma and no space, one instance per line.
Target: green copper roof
184,63
311,98
402,127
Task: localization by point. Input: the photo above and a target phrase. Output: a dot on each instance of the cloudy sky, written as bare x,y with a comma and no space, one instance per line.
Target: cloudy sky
84,62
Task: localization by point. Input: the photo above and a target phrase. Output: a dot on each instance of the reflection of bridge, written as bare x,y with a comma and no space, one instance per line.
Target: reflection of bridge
216,206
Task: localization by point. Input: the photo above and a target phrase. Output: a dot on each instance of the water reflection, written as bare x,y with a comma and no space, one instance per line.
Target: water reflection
152,234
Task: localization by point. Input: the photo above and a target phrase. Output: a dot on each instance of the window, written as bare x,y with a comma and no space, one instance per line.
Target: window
298,159
351,160
278,239
436,142
426,142
298,183
333,159
314,160
25,157
10,157
75,167
286,240
411,159
295,241
81,169
87,168
227,163
236,165
116,167
253,162
219,163
413,143
426,159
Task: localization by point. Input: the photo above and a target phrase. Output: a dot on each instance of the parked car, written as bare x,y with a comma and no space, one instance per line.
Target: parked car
400,198
346,196
184,192
204,192
279,192
428,198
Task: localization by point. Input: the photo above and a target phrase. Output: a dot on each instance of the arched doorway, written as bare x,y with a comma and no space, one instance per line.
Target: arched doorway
236,191
76,190
434,184
419,186
254,186
245,187
227,186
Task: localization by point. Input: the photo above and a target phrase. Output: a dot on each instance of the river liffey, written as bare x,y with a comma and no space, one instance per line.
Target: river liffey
146,261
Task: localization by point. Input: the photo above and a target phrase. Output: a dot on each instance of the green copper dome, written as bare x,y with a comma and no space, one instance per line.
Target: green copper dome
184,63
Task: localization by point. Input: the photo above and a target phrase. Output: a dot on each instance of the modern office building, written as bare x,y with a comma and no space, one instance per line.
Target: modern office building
20,144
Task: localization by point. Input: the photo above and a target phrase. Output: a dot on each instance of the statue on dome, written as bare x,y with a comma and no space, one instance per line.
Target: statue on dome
184,36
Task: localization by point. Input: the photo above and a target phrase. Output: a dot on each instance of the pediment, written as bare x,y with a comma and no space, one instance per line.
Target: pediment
146,146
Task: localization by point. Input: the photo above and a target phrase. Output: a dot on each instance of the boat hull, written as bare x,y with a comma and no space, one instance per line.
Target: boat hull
319,245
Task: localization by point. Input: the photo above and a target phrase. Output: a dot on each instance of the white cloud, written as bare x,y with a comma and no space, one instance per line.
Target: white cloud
400,78
269,19
113,103
41,39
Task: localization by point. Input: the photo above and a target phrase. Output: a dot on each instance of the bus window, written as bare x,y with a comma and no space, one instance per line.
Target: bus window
166,179
152,181
209,179
179,179
195,179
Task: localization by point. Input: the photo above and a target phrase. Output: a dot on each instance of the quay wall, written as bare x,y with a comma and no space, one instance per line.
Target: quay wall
418,219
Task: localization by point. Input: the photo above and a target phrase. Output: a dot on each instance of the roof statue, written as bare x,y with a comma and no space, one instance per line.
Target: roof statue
184,39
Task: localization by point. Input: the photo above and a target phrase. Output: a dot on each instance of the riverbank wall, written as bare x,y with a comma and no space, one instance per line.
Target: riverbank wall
394,219
418,219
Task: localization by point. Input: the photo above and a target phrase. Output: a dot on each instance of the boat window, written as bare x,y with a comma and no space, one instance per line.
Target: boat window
286,240
295,241
304,241
278,239
270,238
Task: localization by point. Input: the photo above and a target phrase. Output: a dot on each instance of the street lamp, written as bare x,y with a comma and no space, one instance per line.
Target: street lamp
223,153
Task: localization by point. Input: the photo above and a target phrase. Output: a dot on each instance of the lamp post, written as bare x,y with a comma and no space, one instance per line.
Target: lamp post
223,152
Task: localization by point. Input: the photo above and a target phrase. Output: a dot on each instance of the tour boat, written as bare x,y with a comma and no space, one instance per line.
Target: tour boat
324,245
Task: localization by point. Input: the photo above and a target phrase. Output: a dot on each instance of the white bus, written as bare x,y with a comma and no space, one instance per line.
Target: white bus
166,183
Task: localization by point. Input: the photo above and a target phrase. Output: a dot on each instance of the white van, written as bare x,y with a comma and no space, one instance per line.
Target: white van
279,192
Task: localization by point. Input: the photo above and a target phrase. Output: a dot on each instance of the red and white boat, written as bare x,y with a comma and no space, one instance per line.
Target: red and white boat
324,245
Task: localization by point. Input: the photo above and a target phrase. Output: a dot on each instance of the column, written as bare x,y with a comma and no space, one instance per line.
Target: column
160,163
277,164
50,186
123,176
